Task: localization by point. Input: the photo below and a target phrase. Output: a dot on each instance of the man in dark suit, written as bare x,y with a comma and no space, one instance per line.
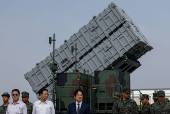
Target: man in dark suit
78,107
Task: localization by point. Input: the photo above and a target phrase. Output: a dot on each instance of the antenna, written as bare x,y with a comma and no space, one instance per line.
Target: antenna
72,50
53,66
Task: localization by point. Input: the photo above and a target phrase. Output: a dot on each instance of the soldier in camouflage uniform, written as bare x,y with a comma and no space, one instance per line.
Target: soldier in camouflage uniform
145,103
160,107
126,105
167,100
116,97
3,108
25,98
155,98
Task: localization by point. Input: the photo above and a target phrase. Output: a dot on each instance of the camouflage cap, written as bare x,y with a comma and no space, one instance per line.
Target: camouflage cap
126,90
161,93
116,95
167,100
144,96
155,96
6,94
25,94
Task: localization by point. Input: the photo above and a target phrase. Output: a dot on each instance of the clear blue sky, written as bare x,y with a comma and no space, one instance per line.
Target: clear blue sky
26,25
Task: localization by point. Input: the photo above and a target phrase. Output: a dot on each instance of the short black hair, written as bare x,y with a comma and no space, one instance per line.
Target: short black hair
41,91
147,98
76,91
16,90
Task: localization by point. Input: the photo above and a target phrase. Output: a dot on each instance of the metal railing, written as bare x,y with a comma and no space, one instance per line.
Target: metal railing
93,86
140,93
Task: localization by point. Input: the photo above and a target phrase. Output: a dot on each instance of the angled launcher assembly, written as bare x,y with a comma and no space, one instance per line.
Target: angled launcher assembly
111,40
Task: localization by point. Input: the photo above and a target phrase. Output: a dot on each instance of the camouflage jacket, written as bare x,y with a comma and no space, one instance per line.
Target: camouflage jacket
113,108
3,109
29,108
146,109
160,108
126,107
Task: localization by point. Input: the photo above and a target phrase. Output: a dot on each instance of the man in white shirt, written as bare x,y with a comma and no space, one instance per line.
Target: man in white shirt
43,106
16,107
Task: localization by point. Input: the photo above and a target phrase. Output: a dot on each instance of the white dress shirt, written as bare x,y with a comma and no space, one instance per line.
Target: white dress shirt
18,108
43,108
79,105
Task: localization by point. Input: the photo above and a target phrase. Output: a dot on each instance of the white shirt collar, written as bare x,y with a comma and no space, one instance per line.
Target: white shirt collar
18,102
42,102
78,103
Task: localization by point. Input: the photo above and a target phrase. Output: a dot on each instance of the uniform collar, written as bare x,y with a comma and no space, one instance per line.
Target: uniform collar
28,103
146,105
7,105
125,100
160,103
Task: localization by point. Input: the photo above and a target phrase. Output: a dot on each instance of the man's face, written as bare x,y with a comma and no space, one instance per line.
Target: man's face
79,96
5,99
44,95
161,98
144,101
126,95
116,99
25,99
15,95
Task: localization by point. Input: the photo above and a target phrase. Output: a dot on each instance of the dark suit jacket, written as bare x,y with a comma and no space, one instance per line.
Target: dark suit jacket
85,108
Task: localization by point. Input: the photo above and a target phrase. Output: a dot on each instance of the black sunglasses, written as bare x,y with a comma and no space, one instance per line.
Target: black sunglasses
14,94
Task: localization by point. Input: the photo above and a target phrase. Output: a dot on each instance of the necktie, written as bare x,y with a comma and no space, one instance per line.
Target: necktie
78,108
